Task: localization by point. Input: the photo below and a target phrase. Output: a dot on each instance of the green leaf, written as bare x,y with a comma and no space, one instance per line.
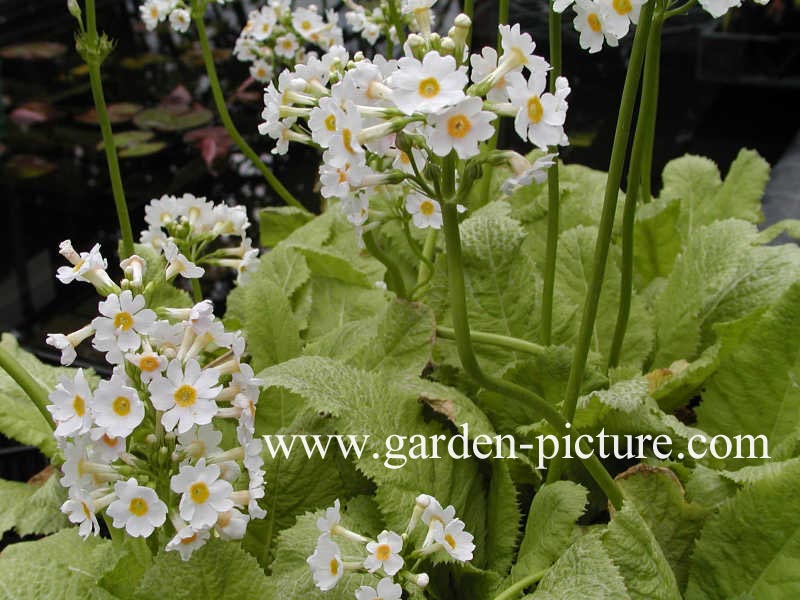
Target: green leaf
217,570
634,549
550,528
755,389
277,222
675,523
789,226
178,118
751,547
134,560
722,275
584,571
58,567
41,513
673,387
656,241
334,303
13,495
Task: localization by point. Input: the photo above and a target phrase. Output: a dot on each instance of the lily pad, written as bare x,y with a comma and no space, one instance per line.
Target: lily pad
145,149
32,113
126,139
173,118
117,113
29,166
33,51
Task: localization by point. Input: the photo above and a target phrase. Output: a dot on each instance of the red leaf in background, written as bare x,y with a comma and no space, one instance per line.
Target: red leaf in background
180,96
213,143
31,113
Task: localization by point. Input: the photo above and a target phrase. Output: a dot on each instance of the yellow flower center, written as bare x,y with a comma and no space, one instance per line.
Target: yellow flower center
265,27
108,441
189,540
305,25
224,519
79,405
383,552
594,22
404,158
185,396
458,126
623,7
138,507
450,541
199,492
330,122
427,208
123,320
334,566
287,44
347,140
261,73
429,87
535,110
148,363
154,12
86,512
121,406
77,267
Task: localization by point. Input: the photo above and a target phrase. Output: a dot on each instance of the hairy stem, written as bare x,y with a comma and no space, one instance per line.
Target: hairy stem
514,590
494,339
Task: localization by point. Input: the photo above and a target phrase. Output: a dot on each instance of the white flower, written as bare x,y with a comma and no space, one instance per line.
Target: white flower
619,14
84,265
427,86
560,6
590,22
385,553
178,264
326,564
179,20
200,441
153,12
186,395
323,121
124,319
434,513
134,268
409,6
232,525
286,46
150,364
117,407
80,509
483,65
460,128
424,211
261,70
161,211
518,48
68,343
204,494
540,116
106,448
137,508
71,405
455,541
717,8
385,590
330,521
526,173
262,23
187,540
306,21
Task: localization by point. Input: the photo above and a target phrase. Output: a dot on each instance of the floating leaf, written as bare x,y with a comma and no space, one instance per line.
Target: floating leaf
213,143
31,113
117,113
127,139
136,63
173,118
142,150
29,166
33,51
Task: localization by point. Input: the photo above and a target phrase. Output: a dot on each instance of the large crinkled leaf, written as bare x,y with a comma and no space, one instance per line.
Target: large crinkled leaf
755,390
584,572
751,547
217,570
287,268
672,387
334,303
722,275
656,240
550,528
291,576
277,222
13,494
41,513
634,549
58,567
134,560
675,523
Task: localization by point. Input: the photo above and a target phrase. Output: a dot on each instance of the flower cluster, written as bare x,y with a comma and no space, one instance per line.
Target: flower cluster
177,12
599,21
276,36
188,230
387,122
385,555
146,443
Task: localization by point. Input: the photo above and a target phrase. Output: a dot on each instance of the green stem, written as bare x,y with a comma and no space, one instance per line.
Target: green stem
469,10
425,272
469,361
553,199
514,590
636,175
225,117
93,60
621,137
25,380
197,290
503,341
393,275
680,10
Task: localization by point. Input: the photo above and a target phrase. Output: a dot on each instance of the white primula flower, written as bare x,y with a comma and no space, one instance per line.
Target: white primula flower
261,71
454,540
385,553
71,405
518,48
483,65
526,172
540,115
187,540
262,23
619,14
88,267
68,343
203,494
117,407
162,211
717,8
286,46
385,590
323,121
153,12
106,448
330,521
424,212
232,525
178,264
80,509
186,395
427,86
149,364
560,6
124,319
326,564
180,19
200,441
137,508
460,128
434,513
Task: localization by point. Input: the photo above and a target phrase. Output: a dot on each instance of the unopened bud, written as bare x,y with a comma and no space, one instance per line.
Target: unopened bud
422,580
150,439
74,9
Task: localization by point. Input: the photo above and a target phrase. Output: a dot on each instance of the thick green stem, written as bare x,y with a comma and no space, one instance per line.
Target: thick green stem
553,199
494,339
393,275
225,117
197,290
514,590
680,10
469,361
424,273
469,10
636,175
30,386
93,59
650,85
621,137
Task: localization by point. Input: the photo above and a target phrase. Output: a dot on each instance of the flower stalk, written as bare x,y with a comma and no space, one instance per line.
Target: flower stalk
517,588
25,380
